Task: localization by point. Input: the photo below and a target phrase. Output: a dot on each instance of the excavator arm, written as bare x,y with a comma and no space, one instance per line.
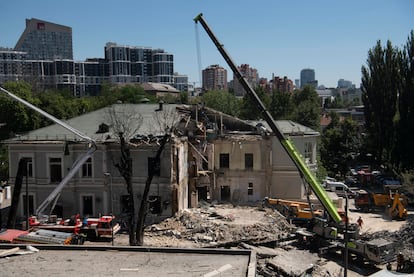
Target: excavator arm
286,143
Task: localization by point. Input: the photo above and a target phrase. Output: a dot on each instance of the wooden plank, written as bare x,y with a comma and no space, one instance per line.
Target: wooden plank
9,252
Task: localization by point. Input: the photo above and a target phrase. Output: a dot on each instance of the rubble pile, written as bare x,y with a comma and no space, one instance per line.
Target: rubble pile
228,225
403,237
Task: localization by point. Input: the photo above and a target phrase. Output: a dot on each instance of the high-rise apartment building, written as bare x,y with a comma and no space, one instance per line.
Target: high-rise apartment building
251,76
307,77
139,64
43,40
43,57
11,65
214,78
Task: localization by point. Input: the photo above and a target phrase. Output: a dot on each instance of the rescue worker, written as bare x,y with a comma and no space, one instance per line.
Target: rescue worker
360,222
400,261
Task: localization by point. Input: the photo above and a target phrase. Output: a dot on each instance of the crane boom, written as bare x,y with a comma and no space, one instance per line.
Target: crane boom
76,165
286,143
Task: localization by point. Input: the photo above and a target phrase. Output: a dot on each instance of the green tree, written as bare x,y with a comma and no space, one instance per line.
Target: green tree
405,149
281,106
307,108
340,143
14,116
221,101
248,107
381,82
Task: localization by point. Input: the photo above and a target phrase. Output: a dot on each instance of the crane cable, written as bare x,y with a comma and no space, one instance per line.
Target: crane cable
197,38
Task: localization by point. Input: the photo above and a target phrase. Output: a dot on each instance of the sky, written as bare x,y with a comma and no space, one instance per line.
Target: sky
277,38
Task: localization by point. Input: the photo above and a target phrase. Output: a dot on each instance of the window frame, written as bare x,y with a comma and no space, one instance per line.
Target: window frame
250,190
224,160
88,168
248,163
49,173
30,164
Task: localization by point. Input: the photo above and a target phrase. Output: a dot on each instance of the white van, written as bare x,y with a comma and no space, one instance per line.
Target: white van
339,188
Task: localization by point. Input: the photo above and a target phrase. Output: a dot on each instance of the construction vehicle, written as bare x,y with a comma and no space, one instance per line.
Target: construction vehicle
392,202
105,225
325,230
297,212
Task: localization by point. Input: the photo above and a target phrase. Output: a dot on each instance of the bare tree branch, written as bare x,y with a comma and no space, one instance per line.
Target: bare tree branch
124,119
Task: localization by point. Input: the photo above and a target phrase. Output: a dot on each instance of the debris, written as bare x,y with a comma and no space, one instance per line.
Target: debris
9,252
293,262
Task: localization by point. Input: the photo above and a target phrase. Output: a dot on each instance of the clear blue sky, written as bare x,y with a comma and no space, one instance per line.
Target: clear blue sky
275,37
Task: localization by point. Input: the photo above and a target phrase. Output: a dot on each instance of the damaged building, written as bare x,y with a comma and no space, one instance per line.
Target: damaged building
210,156
238,161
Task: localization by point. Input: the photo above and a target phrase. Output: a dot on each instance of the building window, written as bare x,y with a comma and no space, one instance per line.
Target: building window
155,204
154,166
30,204
87,205
250,189
55,167
87,168
29,168
308,152
224,160
124,203
248,161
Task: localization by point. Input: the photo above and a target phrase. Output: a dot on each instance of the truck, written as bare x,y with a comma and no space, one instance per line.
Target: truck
326,229
392,202
297,212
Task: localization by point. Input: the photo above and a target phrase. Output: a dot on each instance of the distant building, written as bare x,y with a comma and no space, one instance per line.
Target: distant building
11,65
251,76
130,64
307,77
44,40
181,82
297,83
160,90
345,84
282,84
43,56
214,78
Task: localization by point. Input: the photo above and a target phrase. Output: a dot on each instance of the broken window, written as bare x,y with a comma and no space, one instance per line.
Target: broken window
154,166
225,193
87,168
248,160
224,160
250,189
155,204
55,167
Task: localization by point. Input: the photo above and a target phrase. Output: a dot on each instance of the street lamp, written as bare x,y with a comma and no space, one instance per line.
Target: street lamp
108,174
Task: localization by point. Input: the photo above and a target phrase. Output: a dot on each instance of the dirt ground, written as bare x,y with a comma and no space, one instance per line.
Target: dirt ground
228,226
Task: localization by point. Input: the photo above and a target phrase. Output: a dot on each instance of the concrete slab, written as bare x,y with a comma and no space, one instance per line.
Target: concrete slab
128,261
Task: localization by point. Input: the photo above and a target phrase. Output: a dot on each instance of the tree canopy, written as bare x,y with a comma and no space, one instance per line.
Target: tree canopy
387,95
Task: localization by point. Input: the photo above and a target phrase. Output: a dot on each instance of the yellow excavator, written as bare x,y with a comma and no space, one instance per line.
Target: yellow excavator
393,202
